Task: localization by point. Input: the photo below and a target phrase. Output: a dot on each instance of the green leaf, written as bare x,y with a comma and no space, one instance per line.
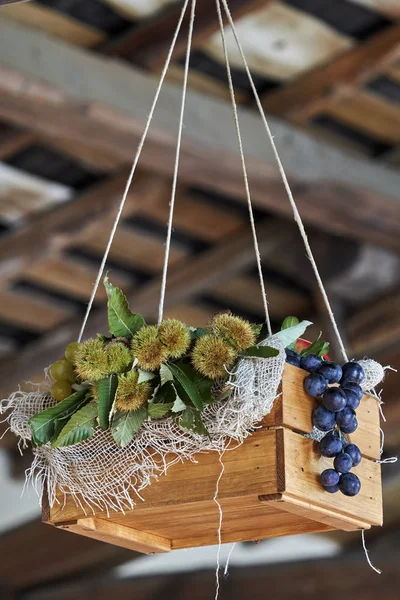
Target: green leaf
80,427
196,387
156,411
260,352
289,322
197,332
179,405
107,389
126,424
165,374
47,425
122,321
318,347
257,328
191,419
145,376
291,334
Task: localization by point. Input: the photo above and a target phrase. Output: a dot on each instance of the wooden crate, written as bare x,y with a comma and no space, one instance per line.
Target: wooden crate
270,488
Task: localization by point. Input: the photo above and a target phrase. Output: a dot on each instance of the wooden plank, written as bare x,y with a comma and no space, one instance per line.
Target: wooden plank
197,217
321,81
54,23
304,464
132,248
31,312
148,43
359,109
244,292
92,159
73,277
54,107
294,410
376,326
119,535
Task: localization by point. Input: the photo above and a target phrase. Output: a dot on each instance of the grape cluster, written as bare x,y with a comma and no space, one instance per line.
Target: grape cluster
336,416
64,374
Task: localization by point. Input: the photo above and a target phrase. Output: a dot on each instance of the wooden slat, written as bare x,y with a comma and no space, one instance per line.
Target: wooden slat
367,112
131,248
195,216
294,410
209,151
148,44
244,292
56,24
376,326
31,312
69,276
321,81
303,464
112,533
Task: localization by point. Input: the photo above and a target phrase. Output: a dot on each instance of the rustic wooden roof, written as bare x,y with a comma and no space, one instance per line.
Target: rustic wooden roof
76,82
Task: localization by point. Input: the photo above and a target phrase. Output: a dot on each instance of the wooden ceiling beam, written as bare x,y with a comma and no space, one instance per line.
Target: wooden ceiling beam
328,578
105,106
148,43
35,554
349,68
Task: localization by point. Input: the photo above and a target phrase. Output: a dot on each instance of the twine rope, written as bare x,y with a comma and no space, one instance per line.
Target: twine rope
132,172
244,168
176,168
296,213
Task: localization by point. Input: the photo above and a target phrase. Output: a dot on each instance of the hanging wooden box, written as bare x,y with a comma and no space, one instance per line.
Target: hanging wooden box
270,487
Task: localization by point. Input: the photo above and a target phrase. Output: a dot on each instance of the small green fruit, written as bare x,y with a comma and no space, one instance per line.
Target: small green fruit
62,370
61,390
70,351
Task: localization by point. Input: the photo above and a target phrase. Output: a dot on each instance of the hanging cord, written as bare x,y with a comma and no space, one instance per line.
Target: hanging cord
215,499
176,169
132,173
286,184
245,176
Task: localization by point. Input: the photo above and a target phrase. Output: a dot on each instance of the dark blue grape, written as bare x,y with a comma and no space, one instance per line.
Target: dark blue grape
331,445
334,399
349,484
292,358
352,398
310,362
345,417
331,371
329,477
357,389
355,453
323,419
332,489
343,463
350,426
315,384
352,372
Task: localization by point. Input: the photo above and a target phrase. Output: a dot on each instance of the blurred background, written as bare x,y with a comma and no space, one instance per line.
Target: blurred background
77,78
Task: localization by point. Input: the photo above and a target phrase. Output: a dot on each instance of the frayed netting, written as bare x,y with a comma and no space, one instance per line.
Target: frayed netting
100,475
